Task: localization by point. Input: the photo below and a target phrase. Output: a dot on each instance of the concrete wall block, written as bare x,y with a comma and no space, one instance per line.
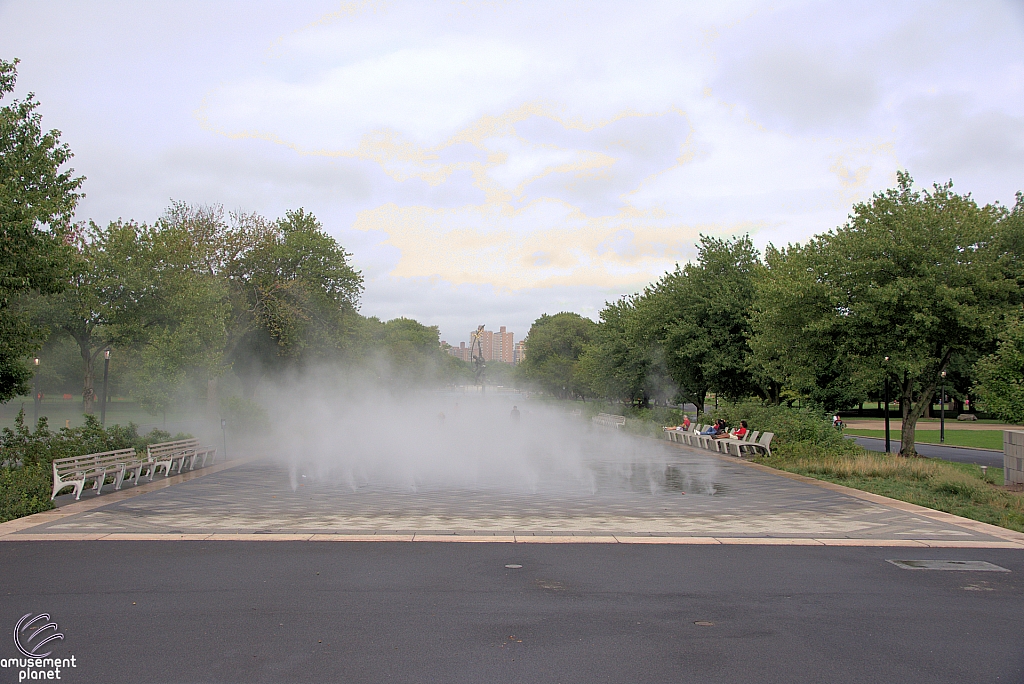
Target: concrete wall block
1013,456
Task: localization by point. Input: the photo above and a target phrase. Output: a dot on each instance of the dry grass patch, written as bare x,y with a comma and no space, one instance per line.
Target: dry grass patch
956,488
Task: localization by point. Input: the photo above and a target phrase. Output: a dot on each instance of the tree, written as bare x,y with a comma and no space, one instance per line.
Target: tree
612,365
1000,376
294,297
919,277
37,204
555,344
788,362
146,290
408,353
699,315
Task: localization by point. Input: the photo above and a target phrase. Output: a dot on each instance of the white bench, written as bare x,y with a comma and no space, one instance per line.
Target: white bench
732,446
763,445
75,471
166,454
609,420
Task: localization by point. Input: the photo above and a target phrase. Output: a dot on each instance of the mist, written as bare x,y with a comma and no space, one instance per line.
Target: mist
348,429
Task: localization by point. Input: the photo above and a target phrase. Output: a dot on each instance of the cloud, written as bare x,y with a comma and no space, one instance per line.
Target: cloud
954,141
476,154
546,244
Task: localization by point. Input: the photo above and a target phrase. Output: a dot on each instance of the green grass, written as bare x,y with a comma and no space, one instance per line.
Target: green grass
984,439
57,411
956,488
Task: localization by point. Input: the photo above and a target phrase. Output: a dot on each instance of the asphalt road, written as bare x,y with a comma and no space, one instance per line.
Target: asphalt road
447,612
992,459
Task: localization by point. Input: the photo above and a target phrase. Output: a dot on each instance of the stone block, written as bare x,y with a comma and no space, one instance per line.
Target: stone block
1013,456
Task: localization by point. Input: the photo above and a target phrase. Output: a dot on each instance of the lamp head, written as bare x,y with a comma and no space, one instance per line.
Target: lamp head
943,375
106,354
886,359
37,361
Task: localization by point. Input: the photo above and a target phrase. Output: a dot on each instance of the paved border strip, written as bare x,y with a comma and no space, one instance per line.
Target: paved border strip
518,539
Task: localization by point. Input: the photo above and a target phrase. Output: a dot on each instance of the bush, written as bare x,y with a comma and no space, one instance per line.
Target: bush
244,416
24,491
26,478
807,427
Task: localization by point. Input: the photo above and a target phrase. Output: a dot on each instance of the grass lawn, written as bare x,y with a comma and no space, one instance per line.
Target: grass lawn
984,439
58,411
956,488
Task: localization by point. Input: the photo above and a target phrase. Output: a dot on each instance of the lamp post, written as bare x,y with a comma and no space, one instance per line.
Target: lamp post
887,450
942,412
224,433
35,391
103,400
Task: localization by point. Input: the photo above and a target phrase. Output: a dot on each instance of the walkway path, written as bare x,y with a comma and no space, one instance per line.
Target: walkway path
699,498
985,457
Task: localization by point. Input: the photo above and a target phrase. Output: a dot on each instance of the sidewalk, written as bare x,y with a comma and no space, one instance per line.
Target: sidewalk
924,424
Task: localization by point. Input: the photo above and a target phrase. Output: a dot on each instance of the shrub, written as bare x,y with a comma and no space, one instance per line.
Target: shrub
792,426
24,491
25,456
245,416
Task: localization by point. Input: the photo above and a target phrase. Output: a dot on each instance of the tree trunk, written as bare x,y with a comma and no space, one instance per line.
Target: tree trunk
913,412
88,393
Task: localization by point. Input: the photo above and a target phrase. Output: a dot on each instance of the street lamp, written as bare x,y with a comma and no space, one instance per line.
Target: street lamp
103,401
887,450
942,412
224,433
35,385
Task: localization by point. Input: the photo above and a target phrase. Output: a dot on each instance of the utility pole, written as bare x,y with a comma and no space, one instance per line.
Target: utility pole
942,412
887,448
35,391
103,401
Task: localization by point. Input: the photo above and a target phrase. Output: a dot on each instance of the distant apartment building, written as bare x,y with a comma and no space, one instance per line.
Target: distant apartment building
519,352
460,352
495,346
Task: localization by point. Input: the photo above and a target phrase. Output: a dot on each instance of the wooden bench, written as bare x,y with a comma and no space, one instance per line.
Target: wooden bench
609,420
166,454
75,471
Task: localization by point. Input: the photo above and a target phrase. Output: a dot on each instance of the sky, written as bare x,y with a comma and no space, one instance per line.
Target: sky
489,162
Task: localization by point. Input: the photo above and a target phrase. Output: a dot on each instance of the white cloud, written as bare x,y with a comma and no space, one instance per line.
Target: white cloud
493,154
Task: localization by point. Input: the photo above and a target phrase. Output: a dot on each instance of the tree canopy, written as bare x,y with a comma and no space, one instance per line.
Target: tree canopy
38,196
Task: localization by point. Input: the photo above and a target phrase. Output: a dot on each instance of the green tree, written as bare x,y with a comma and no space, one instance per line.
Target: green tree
701,312
787,361
295,298
145,290
37,204
1000,376
919,277
408,353
553,349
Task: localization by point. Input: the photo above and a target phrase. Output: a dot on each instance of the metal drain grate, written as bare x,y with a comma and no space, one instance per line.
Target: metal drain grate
972,565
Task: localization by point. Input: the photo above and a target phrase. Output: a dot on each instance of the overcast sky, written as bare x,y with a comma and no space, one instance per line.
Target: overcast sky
487,162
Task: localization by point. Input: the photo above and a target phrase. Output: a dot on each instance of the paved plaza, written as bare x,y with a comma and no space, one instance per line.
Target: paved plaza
677,565
684,496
